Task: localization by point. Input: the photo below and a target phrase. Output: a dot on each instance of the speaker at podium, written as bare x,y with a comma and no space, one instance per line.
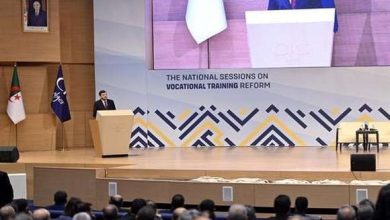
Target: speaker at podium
111,132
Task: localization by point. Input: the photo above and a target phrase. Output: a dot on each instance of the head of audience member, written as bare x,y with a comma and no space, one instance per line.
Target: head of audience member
152,204
282,205
367,202
116,200
382,206
21,206
189,214
177,212
7,212
23,216
365,212
208,206
60,197
237,212
137,204
146,213
251,212
83,207
177,201
346,212
41,214
110,212
301,205
296,217
71,206
82,216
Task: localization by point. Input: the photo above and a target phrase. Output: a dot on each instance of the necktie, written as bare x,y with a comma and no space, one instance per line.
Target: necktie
293,3
105,104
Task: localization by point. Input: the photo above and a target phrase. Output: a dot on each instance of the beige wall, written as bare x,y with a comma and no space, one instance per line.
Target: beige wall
69,41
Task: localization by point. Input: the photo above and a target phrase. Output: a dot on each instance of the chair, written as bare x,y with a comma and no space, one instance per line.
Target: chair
346,133
383,128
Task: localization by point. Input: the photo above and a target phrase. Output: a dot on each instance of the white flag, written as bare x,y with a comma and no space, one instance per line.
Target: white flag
205,18
15,108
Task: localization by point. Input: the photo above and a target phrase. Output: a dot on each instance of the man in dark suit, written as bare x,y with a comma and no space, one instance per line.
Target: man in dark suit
293,4
6,192
103,103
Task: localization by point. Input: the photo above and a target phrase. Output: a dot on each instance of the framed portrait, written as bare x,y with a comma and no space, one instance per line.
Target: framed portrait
35,15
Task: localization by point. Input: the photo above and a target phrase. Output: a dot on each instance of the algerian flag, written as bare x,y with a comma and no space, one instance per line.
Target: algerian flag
205,18
15,108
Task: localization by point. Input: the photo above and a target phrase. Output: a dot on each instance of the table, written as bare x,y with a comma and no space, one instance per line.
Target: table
365,133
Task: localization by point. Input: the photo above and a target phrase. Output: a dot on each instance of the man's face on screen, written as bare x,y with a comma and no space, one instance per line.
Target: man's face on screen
103,96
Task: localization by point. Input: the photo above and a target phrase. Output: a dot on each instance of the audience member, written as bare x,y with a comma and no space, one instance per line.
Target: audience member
110,212
177,212
282,205
136,205
251,212
6,192
82,216
208,206
41,214
297,217
301,205
177,201
382,206
23,216
117,200
346,212
21,206
70,209
60,199
189,214
7,212
146,213
237,212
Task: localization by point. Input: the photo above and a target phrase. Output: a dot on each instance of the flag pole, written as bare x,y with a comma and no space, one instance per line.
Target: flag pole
62,135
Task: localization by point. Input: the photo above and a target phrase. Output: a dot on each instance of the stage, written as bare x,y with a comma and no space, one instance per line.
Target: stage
307,163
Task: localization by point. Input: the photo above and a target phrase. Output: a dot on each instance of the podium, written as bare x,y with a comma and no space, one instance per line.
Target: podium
111,132
290,38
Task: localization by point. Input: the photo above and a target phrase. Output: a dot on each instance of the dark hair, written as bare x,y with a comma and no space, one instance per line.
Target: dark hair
116,200
146,213
251,212
20,206
282,205
177,201
101,91
60,197
71,206
382,207
137,204
301,204
208,205
365,212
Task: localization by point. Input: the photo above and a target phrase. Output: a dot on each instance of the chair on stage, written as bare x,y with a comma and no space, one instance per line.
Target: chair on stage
346,134
383,128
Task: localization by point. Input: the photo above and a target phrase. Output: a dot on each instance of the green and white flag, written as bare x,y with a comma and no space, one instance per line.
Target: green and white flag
15,108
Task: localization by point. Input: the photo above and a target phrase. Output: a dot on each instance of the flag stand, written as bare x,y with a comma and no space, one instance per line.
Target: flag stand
62,148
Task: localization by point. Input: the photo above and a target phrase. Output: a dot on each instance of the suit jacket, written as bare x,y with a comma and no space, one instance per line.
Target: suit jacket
6,192
39,20
99,106
300,4
304,4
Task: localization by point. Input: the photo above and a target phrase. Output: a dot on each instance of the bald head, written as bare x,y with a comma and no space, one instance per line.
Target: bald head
346,212
41,214
7,212
177,212
110,212
237,212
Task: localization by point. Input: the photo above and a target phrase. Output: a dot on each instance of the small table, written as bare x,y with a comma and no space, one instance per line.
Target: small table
365,134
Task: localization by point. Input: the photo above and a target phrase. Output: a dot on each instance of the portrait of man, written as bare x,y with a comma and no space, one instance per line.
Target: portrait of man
35,15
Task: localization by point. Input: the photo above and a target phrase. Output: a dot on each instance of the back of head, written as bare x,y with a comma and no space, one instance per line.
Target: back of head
282,205
23,216
7,212
20,205
365,212
237,212
301,204
41,214
137,204
71,206
110,212
81,216
60,197
346,212
251,212
208,206
189,214
146,213
177,212
152,204
297,217
116,200
382,206
177,201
